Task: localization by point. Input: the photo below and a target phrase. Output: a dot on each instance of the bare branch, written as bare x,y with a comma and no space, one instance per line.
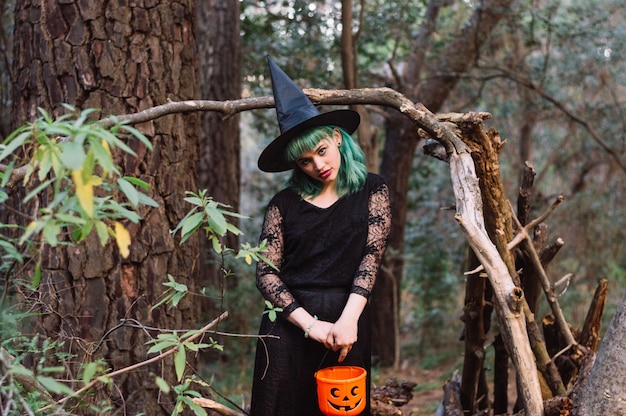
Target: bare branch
140,364
528,246
216,407
385,97
568,113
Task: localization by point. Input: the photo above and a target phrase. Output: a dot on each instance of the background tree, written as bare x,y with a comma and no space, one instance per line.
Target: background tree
121,59
219,169
442,72
6,14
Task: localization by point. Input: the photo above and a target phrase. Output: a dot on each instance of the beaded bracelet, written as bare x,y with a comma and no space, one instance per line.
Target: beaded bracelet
308,328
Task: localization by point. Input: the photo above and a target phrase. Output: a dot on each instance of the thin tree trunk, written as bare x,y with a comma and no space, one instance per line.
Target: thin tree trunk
219,168
474,359
349,58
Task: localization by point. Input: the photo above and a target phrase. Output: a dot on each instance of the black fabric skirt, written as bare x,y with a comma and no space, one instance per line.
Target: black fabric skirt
284,382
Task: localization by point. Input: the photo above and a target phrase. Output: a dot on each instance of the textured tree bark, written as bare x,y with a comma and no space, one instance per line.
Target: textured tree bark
602,392
120,57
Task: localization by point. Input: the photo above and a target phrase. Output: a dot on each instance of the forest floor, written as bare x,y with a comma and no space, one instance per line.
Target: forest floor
428,392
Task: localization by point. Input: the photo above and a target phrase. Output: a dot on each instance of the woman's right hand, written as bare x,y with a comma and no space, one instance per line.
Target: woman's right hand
319,332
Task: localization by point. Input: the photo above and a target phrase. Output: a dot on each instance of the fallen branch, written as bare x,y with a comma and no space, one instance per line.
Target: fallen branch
141,364
216,407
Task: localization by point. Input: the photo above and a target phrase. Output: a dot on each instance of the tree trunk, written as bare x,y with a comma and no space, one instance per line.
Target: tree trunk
473,318
366,132
219,170
387,291
120,58
604,388
401,135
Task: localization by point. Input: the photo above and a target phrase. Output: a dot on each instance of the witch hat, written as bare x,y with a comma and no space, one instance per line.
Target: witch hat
296,114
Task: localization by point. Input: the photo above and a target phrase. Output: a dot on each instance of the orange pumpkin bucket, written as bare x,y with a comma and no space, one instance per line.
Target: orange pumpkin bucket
341,390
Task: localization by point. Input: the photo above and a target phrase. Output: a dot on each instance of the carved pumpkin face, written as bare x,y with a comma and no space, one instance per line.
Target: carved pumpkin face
341,390
345,397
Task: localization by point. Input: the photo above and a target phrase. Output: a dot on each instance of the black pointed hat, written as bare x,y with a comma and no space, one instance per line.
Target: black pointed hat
296,114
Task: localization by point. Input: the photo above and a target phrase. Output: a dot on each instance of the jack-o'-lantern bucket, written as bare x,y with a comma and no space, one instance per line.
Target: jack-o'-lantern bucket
341,390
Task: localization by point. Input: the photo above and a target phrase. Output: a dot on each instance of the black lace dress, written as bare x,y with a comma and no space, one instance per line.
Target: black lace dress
323,255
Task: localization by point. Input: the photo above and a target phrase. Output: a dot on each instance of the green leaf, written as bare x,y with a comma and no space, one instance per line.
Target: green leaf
138,135
159,347
138,182
89,372
73,155
20,370
12,252
129,190
146,200
197,409
176,298
50,232
103,157
6,175
123,212
85,230
162,384
45,163
194,201
70,219
217,246
32,228
195,347
80,120
191,224
166,298
103,232
38,189
180,361
114,141
216,220
13,144
53,386
233,229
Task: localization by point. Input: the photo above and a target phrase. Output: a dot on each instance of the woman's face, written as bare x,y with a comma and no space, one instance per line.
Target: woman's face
323,161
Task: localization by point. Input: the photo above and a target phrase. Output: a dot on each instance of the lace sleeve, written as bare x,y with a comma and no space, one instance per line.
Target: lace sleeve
267,281
379,224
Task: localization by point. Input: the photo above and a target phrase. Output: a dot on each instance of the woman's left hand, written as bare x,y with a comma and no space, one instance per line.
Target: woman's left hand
341,337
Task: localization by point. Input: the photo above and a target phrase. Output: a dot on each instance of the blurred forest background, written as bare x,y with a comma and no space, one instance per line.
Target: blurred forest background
551,73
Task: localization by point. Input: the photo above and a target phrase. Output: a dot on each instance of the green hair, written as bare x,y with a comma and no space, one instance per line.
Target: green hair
352,172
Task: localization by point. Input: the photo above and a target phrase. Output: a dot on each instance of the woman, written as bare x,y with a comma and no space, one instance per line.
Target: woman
326,234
